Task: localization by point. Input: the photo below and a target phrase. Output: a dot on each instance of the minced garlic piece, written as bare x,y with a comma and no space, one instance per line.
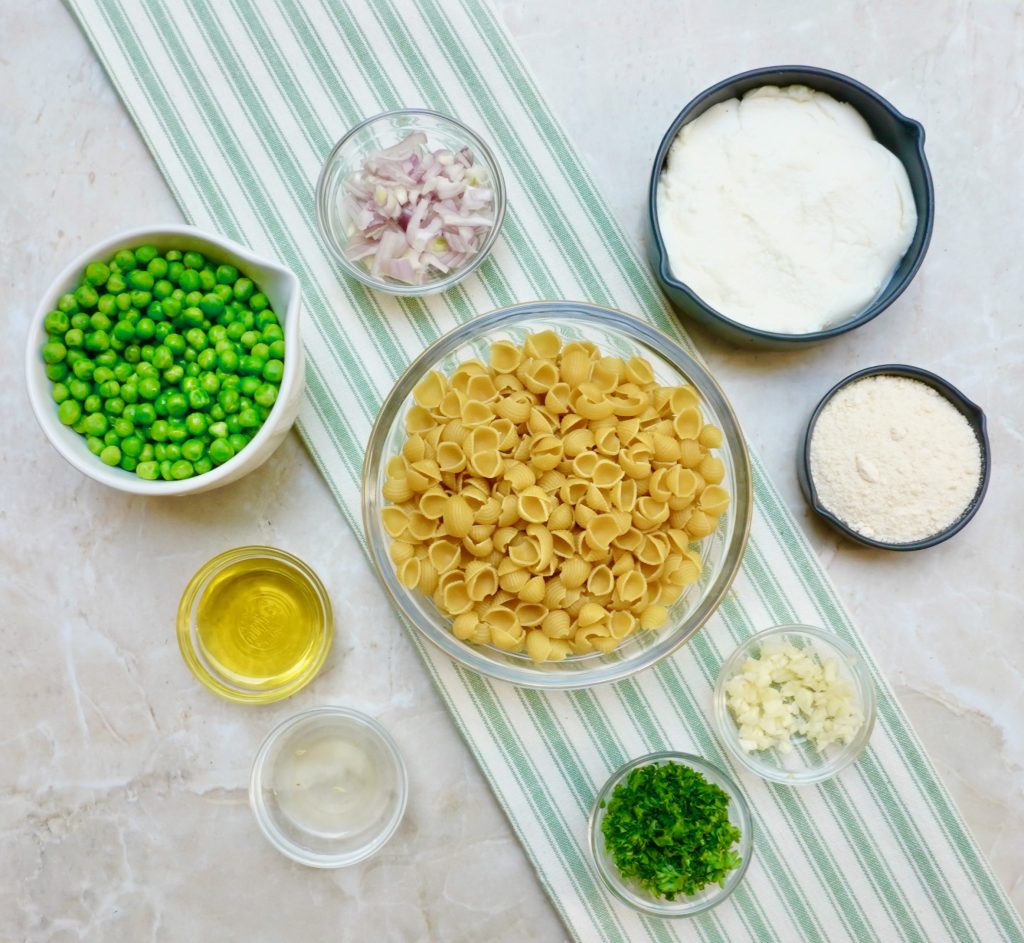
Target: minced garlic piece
790,692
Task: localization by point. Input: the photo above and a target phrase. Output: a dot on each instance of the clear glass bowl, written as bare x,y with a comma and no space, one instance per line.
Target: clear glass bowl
805,764
375,134
328,787
635,896
616,334
253,690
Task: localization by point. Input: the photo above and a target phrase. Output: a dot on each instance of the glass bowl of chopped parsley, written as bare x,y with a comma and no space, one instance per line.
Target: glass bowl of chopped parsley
671,835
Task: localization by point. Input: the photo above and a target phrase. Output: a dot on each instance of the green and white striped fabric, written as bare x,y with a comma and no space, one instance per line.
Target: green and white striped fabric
240,101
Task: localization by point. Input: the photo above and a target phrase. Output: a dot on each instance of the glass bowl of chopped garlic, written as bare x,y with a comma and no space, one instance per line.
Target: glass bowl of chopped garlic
556,495
795,704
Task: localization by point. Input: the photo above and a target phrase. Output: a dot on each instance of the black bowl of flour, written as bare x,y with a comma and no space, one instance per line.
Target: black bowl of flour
921,498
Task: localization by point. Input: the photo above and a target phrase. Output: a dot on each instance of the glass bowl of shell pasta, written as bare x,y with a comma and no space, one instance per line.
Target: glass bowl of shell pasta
556,495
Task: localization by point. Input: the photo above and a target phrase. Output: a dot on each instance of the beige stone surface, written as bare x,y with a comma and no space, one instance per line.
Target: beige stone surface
123,813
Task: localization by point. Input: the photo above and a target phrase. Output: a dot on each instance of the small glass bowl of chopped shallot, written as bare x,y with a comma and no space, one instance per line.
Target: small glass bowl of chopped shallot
795,704
410,202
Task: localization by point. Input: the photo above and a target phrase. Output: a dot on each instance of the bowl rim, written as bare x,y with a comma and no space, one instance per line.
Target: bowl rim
606,868
470,656
971,412
858,667
880,302
258,806
118,478
392,286
190,598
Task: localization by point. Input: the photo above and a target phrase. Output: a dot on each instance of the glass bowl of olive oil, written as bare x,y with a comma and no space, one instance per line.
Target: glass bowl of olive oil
255,624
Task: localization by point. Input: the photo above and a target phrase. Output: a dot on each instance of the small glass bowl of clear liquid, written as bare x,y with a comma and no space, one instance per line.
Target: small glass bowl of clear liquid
328,787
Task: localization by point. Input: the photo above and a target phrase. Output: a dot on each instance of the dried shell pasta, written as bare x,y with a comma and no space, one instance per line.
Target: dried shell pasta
547,499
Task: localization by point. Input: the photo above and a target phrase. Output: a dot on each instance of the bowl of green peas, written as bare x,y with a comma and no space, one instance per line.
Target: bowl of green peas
167,361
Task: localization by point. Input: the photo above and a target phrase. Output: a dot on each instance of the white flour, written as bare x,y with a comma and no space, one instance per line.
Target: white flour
894,460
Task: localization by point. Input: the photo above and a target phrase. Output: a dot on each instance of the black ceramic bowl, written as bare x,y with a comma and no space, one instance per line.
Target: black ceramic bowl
971,411
901,135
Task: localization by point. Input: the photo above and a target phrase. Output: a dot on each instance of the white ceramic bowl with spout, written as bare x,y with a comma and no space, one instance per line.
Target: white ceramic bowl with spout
278,283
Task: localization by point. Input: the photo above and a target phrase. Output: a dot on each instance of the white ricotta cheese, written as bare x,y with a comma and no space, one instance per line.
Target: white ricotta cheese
781,210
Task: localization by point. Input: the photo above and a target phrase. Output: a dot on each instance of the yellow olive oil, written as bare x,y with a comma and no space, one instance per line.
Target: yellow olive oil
259,623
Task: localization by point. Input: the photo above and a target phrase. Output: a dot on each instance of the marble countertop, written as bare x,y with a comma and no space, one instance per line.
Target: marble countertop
123,809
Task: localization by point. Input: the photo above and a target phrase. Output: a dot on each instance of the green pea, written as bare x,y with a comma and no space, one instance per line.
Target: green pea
228,400
96,424
124,301
123,372
79,389
207,280
80,320
69,412
265,395
170,308
177,430
149,388
163,330
159,430
162,357
124,331
146,253
251,365
243,289
196,423
220,451
145,414
111,438
110,455
162,288
141,279
146,455
132,354
114,406
172,451
218,430
149,470
74,339
123,427
207,359
140,299
106,358
157,267
109,389
216,412
92,403
54,352
174,373
160,452
209,382
130,393
94,444
225,294
191,367
248,418
97,341
56,322
100,322
258,302
193,450
192,316
260,350
203,465
199,399
212,305
196,339
250,339
67,303
116,283
228,360
131,445
235,330
193,260
79,427
125,259
145,368
165,470
128,463
249,385
86,296
273,332
56,371
238,441
177,405
60,392
182,469
174,270
175,343
189,280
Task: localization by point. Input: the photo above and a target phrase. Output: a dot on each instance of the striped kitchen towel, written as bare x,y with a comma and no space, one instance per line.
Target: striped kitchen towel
240,101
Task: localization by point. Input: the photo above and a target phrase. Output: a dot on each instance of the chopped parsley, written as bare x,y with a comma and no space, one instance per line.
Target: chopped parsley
667,828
